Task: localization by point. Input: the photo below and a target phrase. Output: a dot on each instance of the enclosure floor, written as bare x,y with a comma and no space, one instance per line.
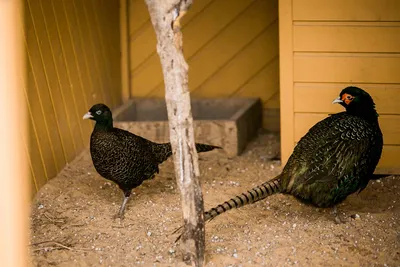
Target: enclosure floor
72,221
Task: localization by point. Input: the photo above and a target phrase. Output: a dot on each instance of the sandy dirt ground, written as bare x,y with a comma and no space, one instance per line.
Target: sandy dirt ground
72,223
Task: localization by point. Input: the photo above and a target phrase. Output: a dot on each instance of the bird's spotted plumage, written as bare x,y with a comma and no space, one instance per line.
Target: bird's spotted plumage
123,157
336,158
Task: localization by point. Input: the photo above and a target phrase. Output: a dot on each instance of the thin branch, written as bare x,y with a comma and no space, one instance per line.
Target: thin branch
58,246
53,219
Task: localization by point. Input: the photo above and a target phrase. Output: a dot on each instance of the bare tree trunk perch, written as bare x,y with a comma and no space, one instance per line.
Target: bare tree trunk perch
165,16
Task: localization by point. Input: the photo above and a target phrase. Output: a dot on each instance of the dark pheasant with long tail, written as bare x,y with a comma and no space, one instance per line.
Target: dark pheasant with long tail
123,157
336,158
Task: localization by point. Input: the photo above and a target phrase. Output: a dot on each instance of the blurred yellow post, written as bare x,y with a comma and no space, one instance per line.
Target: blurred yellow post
14,183
124,33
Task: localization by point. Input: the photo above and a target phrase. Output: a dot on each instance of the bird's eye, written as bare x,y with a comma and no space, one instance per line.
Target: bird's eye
98,112
349,97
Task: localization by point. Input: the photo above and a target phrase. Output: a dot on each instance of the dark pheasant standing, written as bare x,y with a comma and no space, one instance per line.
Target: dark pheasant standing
123,157
336,158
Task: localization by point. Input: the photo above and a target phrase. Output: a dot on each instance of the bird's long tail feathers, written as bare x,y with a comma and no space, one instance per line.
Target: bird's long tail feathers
204,148
253,195
164,151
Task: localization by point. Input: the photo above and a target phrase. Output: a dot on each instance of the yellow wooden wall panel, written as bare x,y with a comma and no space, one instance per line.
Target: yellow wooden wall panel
111,45
267,78
38,95
229,45
28,131
390,159
386,97
211,19
30,140
33,187
66,86
142,46
346,10
52,80
74,83
110,48
125,68
242,66
139,8
147,74
94,44
350,68
274,102
80,52
73,61
147,79
390,126
141,19
33,184
347,37
24,133
90,49
98,44
143,39
231,41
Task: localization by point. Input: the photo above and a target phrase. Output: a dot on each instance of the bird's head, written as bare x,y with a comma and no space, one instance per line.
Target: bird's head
99,113
356,101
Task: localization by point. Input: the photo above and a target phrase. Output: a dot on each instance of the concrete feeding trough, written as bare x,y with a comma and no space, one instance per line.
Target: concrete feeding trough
229,122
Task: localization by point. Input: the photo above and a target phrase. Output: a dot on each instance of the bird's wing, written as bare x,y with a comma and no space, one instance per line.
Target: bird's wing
138,148
332,150
133,142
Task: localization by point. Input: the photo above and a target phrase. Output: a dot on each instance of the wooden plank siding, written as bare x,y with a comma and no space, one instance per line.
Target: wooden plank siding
73,62
232,49
336,44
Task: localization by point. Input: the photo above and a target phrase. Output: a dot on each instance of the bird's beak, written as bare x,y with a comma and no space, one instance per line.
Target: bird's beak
87,116
337,100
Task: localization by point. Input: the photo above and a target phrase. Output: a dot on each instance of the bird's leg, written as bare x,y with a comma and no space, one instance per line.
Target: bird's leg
335,212
121,212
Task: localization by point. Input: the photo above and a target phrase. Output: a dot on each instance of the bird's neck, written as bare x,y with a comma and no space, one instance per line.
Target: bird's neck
368,114
104,125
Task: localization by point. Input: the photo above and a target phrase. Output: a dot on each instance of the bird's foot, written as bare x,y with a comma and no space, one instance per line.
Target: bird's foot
119,216
338,218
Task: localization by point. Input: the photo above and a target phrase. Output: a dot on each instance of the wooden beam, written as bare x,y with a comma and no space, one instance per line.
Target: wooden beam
286,78
14,183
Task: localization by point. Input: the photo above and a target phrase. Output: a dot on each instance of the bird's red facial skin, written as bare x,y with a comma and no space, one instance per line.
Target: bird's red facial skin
347,98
